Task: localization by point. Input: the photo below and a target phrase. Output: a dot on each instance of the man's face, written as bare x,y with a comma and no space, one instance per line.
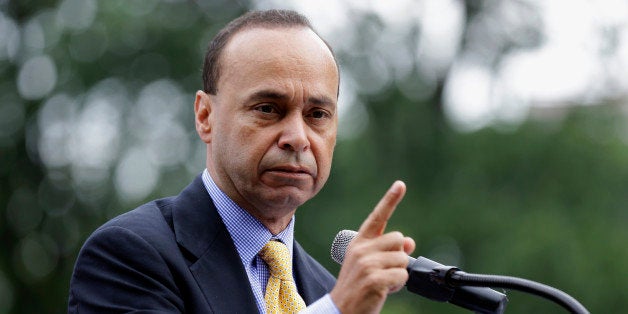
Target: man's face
273,119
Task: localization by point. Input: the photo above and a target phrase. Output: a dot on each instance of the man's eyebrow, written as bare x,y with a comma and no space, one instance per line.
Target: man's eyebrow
261,95
321,100
268,94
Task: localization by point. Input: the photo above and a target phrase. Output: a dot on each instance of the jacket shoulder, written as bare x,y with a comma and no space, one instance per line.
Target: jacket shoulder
153,219
128,258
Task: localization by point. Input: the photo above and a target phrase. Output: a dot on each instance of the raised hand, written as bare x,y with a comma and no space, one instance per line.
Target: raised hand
375,263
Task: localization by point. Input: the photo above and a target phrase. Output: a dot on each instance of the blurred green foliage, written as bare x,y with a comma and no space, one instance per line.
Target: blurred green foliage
544,201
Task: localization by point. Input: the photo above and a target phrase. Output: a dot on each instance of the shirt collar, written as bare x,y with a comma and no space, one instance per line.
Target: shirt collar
249,234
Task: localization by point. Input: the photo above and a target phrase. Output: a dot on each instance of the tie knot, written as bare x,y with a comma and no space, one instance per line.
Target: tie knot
277,256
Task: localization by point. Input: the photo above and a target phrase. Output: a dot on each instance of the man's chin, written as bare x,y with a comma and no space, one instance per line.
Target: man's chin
288,197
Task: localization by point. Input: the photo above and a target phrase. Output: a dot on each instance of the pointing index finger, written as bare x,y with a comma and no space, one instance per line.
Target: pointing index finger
375,223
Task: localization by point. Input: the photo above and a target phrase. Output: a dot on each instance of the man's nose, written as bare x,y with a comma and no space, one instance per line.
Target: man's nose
294,134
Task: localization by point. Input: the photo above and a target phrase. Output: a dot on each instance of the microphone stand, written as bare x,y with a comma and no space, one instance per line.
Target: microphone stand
454,277
442,283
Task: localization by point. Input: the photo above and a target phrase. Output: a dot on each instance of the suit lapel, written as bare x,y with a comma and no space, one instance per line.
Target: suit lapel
309,284
217,268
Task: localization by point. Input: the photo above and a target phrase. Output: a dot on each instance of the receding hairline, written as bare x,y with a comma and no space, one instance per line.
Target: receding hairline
248,28
269,19
251,28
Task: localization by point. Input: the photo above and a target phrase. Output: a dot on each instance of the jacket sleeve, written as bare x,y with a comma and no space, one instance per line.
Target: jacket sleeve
119,271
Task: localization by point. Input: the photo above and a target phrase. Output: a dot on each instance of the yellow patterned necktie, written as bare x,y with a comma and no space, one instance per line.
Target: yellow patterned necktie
281,292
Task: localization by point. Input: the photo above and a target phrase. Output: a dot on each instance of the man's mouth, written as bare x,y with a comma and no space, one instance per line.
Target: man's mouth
292,170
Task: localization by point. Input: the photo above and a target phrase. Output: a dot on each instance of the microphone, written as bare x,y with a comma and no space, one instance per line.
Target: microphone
426,278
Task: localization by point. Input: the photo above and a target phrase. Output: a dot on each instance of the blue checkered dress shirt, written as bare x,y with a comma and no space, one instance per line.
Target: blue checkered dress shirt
249,236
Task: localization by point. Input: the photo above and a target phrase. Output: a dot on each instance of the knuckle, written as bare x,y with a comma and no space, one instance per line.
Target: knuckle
362,263
397,276
395,239
357,249
371,279
396,235
403,275
402,258
379,284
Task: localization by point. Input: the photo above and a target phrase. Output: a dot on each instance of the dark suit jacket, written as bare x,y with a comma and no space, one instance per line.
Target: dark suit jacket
174,255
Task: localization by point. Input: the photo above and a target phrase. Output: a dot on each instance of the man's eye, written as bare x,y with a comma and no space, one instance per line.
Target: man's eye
318,114
265,108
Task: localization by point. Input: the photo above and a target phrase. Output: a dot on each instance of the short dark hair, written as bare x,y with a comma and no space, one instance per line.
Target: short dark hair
252,19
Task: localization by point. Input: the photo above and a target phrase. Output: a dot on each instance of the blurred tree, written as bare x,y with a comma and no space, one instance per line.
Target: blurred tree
56,186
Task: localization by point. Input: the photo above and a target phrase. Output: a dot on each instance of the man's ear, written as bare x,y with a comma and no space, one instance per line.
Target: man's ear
202,113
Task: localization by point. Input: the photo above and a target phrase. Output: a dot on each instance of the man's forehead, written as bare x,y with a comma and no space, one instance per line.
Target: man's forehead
278,52
292,37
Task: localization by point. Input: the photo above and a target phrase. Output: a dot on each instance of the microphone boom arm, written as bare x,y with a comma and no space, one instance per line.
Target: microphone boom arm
457,278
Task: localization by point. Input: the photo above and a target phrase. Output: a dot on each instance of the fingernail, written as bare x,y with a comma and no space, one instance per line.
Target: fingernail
396,186
399,184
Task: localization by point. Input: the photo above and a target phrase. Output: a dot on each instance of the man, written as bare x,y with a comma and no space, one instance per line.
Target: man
268,114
